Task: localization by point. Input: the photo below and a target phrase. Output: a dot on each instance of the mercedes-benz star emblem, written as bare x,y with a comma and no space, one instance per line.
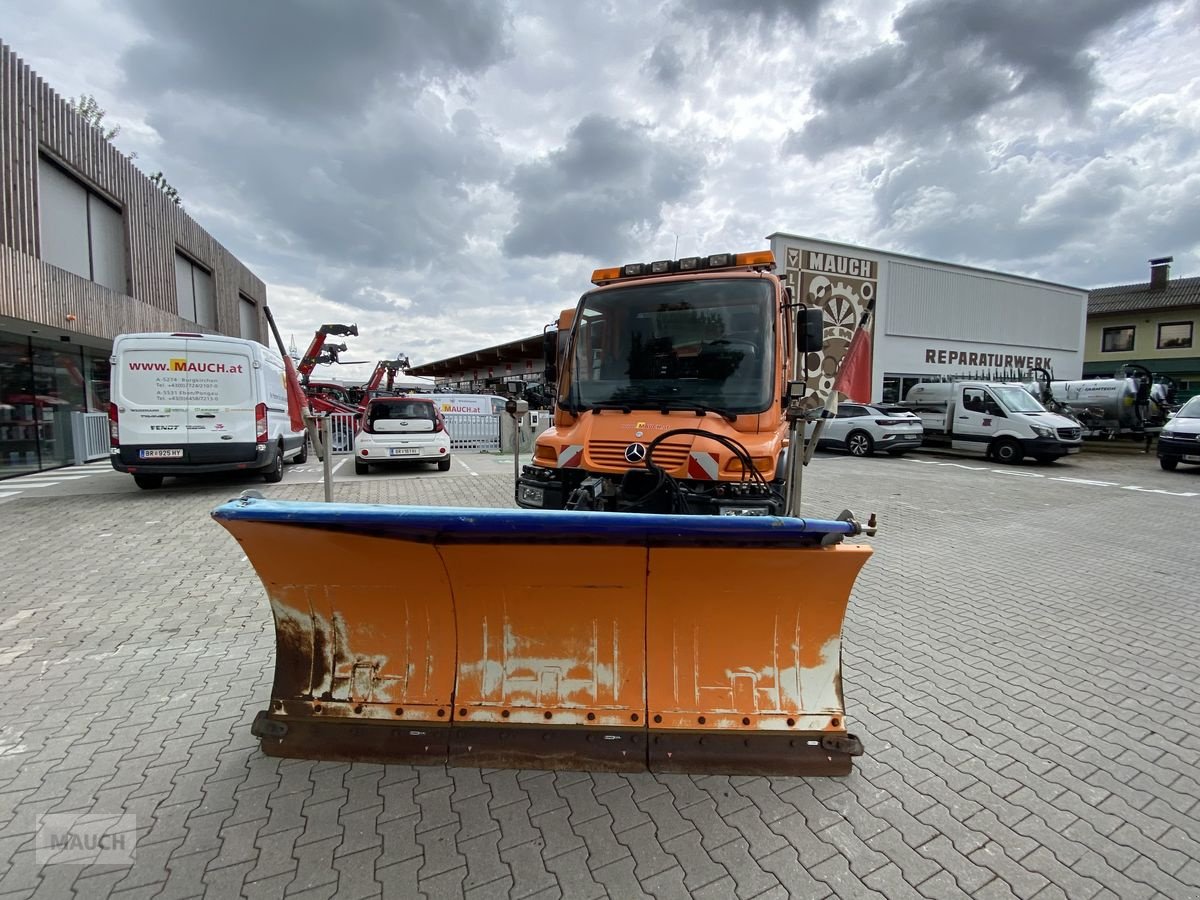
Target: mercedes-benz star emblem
635,453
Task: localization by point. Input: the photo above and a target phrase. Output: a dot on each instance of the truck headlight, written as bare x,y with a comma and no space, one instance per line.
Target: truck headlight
534,496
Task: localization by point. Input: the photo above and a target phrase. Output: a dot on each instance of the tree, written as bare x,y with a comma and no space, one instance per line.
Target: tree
88,107
160,181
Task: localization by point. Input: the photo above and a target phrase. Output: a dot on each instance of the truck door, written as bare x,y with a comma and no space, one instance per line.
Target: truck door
221,417
151,393
977,419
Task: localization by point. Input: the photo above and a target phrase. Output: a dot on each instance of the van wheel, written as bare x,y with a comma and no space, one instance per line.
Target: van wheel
1007,451
1168,463
444,464
274,472
150,482
859,443
301,457
361,468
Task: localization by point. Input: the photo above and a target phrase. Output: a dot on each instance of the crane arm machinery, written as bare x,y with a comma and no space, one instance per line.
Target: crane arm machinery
383,379
319,352
667,616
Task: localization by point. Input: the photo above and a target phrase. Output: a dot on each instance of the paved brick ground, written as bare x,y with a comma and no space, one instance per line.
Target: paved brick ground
1021,662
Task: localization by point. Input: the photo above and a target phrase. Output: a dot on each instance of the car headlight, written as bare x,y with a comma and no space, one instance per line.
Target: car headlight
1043,431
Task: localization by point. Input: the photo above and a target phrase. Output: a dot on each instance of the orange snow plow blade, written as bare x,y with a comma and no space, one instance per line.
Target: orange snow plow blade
563,640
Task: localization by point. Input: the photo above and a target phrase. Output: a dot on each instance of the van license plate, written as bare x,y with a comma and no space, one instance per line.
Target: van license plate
176,453
404,451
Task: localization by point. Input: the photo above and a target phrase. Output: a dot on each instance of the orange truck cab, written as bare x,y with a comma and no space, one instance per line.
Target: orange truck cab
674,368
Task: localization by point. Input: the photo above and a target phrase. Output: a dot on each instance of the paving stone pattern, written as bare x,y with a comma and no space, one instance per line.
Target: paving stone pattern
1021,663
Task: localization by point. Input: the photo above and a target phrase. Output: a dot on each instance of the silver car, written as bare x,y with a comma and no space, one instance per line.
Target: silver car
860,430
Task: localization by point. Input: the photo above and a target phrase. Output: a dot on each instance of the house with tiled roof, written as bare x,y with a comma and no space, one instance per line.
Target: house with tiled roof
1154,324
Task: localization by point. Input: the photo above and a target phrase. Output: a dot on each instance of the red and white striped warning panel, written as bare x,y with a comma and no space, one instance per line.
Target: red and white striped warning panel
703,466
571,457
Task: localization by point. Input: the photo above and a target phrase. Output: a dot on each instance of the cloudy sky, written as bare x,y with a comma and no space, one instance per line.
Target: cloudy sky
447,174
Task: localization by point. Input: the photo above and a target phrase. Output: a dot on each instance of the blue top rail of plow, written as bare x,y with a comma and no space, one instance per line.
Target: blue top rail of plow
443,525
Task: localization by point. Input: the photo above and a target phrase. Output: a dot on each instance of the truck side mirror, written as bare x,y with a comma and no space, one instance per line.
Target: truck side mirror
550,356
810,330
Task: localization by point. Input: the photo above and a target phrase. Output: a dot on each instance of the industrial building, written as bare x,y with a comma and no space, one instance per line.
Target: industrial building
89,248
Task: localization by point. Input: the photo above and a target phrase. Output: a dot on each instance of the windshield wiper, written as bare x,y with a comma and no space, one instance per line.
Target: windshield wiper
699,409
596,407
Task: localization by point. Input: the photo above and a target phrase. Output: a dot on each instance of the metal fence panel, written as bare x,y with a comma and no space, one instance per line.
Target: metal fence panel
473,432
89,436
342,428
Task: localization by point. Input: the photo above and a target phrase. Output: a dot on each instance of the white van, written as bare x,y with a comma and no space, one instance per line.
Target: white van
1001,421
191,404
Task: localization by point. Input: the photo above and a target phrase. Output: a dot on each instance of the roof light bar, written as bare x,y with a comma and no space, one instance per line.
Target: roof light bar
757,259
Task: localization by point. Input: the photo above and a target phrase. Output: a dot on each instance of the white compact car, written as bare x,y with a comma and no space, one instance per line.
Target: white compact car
401,429
860,430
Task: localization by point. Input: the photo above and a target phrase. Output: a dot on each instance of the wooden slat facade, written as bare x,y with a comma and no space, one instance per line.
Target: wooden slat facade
35,120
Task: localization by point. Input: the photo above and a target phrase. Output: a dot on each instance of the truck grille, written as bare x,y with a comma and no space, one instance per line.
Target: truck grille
611,454
1069,434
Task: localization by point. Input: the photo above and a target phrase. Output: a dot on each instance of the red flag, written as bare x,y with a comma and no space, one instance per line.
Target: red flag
854,376
297,399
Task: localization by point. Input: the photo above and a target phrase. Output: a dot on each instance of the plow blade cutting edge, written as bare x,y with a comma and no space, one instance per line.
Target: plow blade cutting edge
572,640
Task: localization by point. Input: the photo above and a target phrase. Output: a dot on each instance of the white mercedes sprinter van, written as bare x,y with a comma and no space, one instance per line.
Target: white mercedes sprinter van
191,404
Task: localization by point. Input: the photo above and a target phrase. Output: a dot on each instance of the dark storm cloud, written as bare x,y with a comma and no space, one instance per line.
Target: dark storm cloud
768,13
665,65
609,181
396,196
309,57
953,61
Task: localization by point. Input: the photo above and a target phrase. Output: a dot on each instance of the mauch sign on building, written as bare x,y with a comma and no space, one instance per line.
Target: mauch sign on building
841,286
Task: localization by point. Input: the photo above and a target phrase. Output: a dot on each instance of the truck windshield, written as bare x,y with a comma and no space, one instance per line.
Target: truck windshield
676,345
1018,400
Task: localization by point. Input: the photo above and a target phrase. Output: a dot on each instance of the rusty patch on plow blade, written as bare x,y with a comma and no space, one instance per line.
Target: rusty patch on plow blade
555,640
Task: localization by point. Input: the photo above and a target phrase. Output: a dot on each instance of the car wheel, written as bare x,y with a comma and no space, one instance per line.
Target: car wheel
150,482
1007,451
361,468
302,456
274,472
859,443
1168,463
444,464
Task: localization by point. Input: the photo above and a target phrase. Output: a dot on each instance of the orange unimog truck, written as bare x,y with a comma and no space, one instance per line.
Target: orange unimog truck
675,368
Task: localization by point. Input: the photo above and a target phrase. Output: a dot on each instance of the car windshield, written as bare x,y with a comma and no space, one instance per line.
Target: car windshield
676,345
1017,400
1189,410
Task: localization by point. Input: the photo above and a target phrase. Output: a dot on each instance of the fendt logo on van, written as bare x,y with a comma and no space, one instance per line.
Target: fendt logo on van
179,364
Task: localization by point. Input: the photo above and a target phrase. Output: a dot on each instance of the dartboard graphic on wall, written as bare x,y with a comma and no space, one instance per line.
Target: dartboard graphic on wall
843,298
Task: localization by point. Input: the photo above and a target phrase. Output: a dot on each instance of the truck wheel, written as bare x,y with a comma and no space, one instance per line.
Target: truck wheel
361,468
274,472
859,443
444,464
1007,451
301,457
150,482
1168,463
